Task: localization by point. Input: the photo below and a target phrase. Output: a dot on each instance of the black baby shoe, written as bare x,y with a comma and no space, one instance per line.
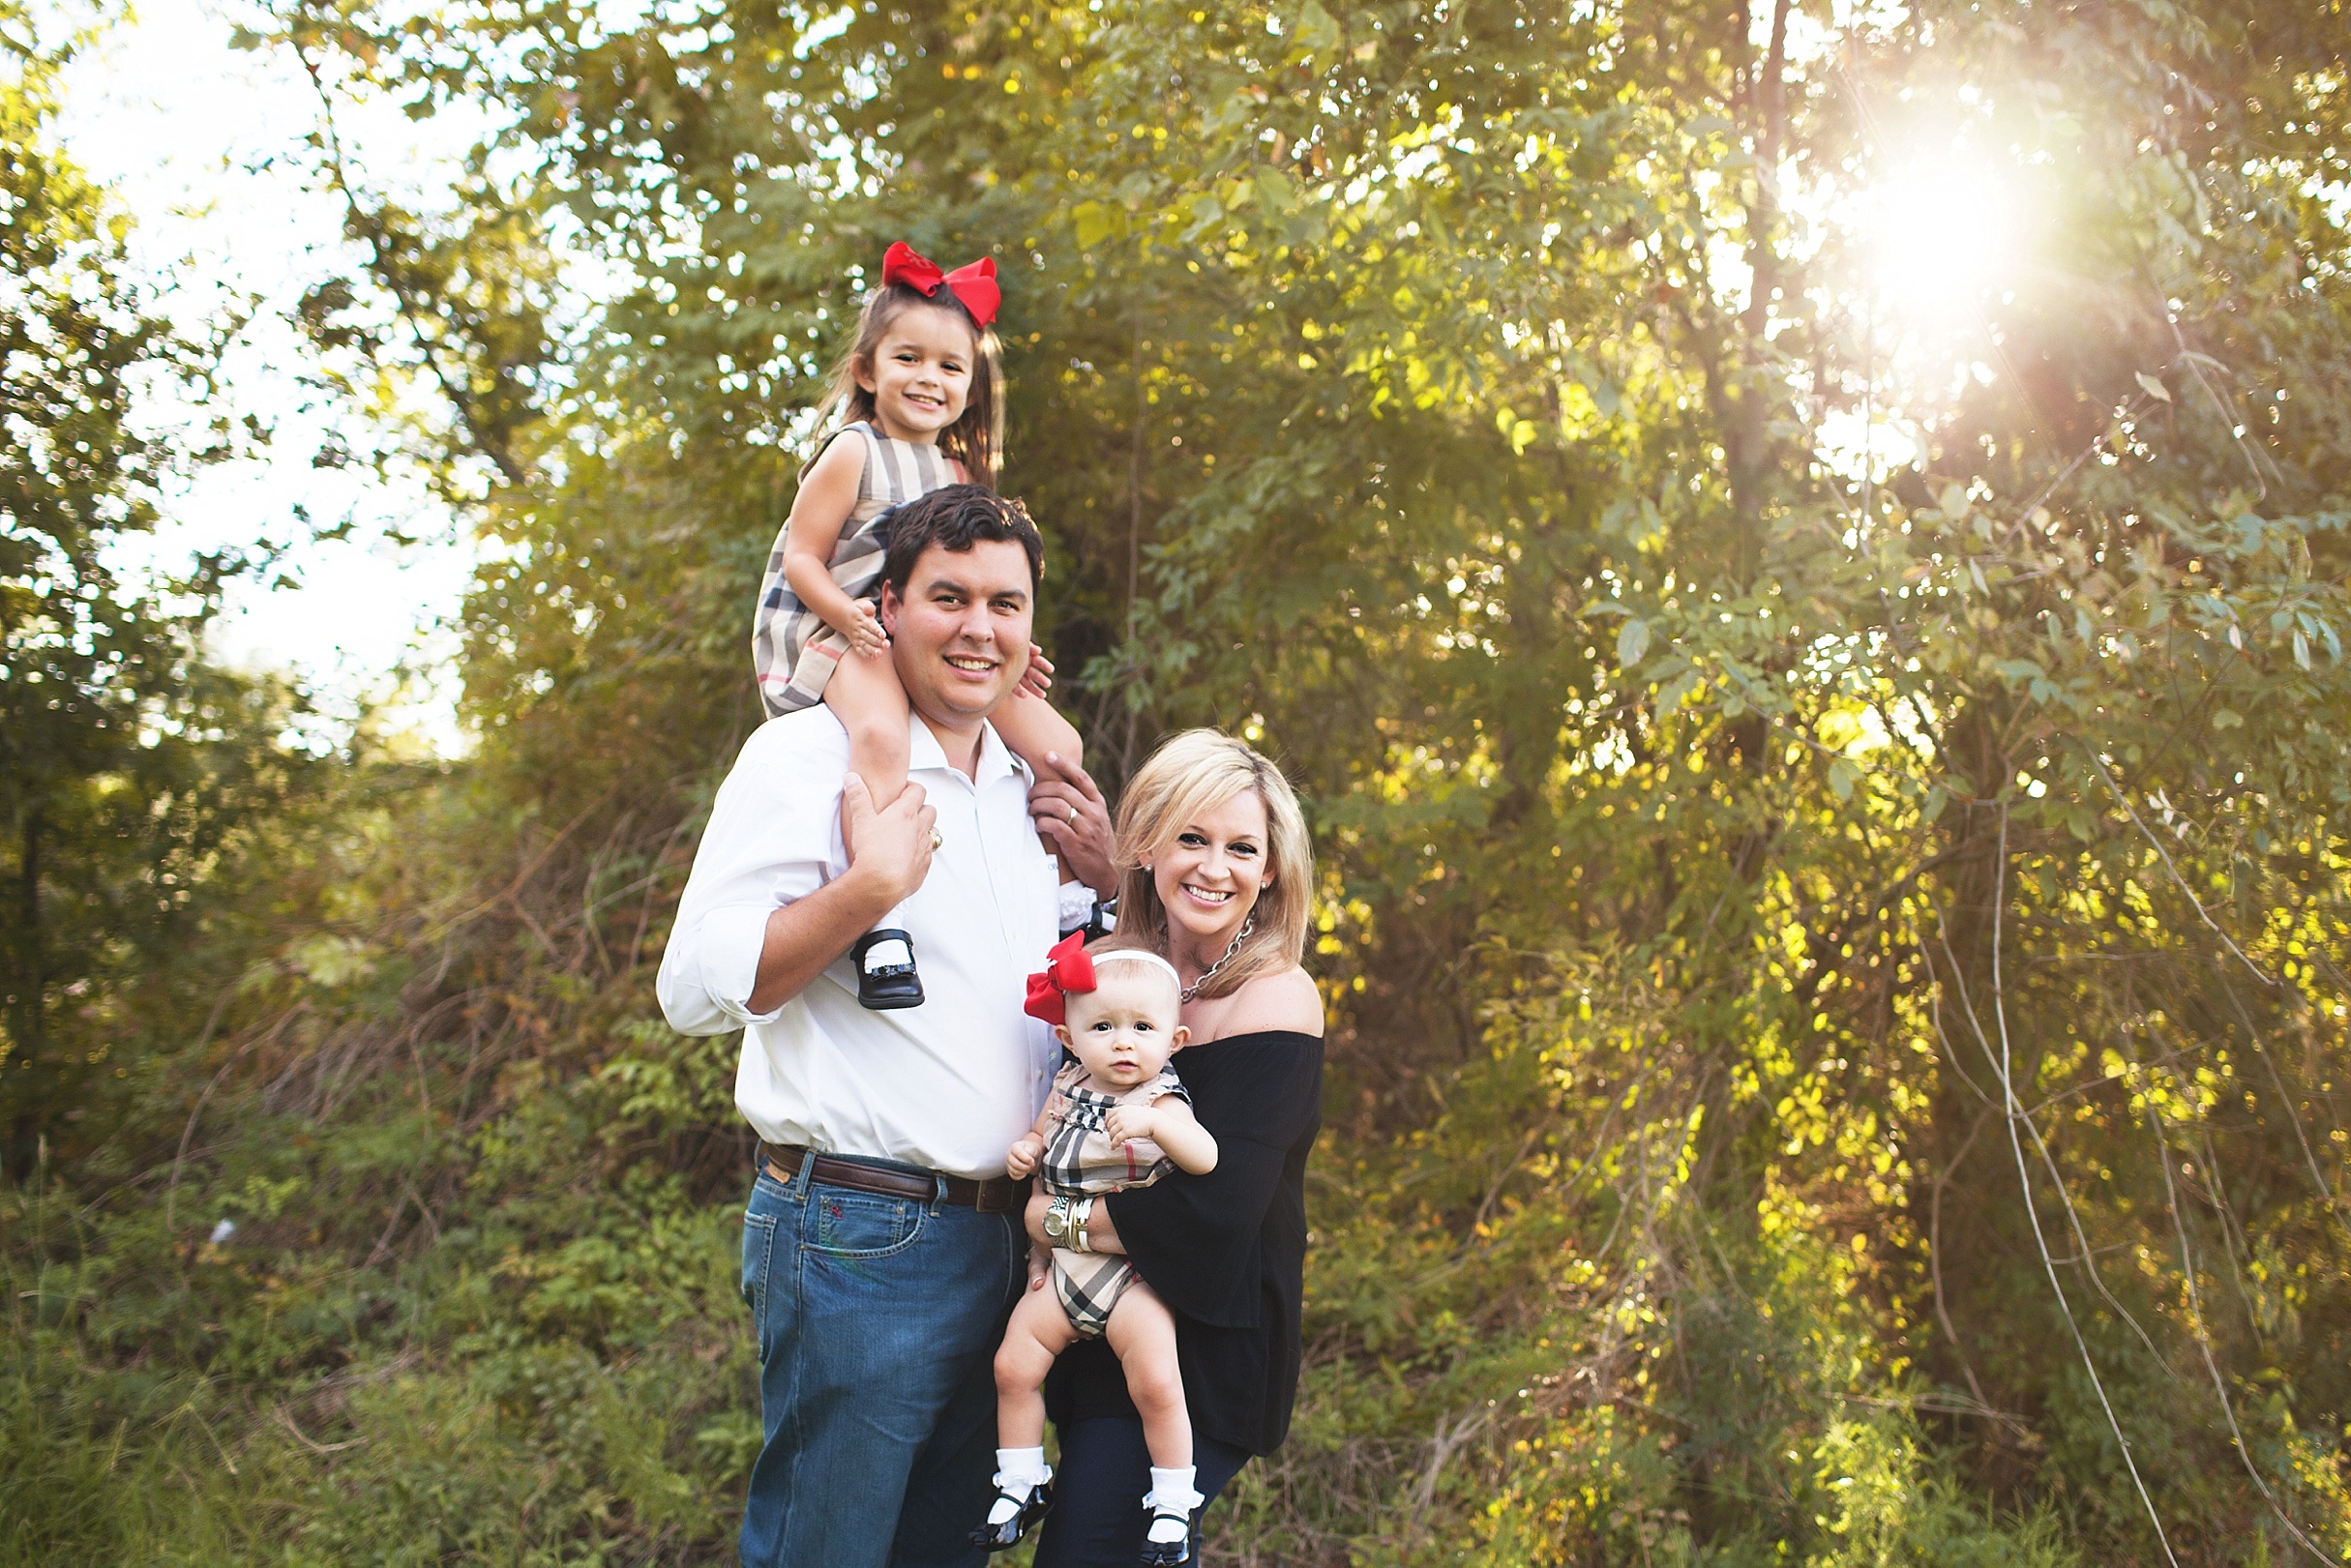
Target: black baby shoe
1001,1537
890,982
1175,1553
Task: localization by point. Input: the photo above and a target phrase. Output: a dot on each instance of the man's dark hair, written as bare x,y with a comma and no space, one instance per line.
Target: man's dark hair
955,517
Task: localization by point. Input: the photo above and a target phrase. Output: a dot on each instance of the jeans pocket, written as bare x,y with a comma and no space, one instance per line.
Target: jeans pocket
759,1251
846,1224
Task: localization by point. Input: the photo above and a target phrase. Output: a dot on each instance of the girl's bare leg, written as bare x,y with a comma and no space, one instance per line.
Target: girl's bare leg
865,695
1033,730
1143,1334
1039,1331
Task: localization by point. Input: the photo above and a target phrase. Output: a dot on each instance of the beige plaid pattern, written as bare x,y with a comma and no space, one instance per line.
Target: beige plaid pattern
1080,1160
1088,1286
792,651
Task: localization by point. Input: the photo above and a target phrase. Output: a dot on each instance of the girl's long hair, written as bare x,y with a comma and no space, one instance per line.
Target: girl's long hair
976,440
1191,774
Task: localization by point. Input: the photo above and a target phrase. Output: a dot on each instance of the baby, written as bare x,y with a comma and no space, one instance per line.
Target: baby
1117,1118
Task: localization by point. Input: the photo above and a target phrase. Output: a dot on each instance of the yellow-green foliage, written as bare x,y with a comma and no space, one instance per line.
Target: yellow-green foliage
1839,1044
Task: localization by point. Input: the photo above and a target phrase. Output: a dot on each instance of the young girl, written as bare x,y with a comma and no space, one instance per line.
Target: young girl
1117,1118
921,396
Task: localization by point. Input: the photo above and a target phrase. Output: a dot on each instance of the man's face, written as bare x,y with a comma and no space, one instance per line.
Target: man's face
959,634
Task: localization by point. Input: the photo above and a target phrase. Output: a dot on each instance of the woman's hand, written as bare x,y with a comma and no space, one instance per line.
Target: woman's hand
1040,1266
1101,1235
1033,1221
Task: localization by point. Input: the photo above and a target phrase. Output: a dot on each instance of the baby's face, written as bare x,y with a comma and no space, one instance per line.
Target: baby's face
1124,1030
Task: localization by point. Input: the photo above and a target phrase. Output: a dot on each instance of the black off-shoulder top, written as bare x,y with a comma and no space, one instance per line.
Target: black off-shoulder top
1227,1250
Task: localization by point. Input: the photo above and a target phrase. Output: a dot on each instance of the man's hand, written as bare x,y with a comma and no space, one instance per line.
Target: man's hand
1021,1160
889,856
1070,811
889,850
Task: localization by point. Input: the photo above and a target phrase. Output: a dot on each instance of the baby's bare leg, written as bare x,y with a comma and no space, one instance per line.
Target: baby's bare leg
1038,1332
865,695
1143,1334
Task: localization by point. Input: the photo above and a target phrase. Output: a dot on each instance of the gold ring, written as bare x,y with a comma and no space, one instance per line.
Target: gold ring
936,843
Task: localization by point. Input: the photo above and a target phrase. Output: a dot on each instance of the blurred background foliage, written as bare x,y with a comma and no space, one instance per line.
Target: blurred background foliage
1797,551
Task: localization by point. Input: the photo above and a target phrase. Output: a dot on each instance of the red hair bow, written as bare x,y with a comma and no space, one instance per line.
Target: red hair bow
973,283
1068,967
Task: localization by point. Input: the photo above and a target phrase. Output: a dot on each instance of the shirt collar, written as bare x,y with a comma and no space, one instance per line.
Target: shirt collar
995,759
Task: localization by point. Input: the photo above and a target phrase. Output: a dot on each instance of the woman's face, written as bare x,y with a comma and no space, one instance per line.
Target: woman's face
920,374
1208,879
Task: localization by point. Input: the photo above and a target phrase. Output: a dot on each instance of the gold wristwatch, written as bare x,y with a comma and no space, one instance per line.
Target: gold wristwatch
1065,1221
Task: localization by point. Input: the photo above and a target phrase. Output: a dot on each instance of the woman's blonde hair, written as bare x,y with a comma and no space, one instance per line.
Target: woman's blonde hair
1190,775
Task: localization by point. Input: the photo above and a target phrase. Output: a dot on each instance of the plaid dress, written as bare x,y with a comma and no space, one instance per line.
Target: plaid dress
793,651
1082,1161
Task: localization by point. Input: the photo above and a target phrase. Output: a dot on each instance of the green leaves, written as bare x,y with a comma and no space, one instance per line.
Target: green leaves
1733,685
1632,643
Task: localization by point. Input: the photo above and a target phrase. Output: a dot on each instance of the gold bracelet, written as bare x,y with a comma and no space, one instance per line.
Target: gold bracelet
1080,1212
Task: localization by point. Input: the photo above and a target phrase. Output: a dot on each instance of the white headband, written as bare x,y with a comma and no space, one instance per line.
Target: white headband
1136,954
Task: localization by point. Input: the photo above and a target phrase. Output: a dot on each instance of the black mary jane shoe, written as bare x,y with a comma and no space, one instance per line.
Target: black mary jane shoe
890,986
1007,1535
1170,1553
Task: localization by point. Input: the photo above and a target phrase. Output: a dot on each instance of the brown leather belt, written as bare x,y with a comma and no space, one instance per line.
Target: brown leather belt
998,1195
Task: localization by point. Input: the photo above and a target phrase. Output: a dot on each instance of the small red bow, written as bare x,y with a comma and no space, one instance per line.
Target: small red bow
1068,967
973,283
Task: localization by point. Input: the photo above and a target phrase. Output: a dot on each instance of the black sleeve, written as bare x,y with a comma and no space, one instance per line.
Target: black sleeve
1195,1239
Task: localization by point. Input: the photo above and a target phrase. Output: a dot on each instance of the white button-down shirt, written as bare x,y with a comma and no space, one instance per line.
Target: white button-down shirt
948,1085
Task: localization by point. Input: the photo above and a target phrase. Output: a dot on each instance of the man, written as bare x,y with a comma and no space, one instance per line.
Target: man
883,1248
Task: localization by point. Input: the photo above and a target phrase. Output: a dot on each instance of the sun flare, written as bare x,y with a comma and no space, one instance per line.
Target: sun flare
1938,239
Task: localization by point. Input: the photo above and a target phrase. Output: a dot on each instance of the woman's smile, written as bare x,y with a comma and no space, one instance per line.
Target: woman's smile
1209,876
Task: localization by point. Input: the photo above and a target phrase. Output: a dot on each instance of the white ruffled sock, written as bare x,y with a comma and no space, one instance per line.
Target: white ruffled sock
1170,1501
1019,1472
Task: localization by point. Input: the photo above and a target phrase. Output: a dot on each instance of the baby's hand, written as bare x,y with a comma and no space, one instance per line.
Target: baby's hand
1130,1123
864,630
1021,1160
1037,679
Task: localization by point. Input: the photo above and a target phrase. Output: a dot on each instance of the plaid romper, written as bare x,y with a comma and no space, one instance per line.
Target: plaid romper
793,650
1081,1162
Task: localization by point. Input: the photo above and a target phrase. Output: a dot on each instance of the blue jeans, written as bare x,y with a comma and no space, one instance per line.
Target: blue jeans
1097,1493
878,1319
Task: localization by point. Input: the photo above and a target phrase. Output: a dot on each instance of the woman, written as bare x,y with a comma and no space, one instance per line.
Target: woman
1216,875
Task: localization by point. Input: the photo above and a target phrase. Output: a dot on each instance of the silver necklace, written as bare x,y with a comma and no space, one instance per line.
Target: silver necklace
1187,993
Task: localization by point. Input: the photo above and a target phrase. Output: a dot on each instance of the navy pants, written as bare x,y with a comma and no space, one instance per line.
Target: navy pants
1097,1519
877,1320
